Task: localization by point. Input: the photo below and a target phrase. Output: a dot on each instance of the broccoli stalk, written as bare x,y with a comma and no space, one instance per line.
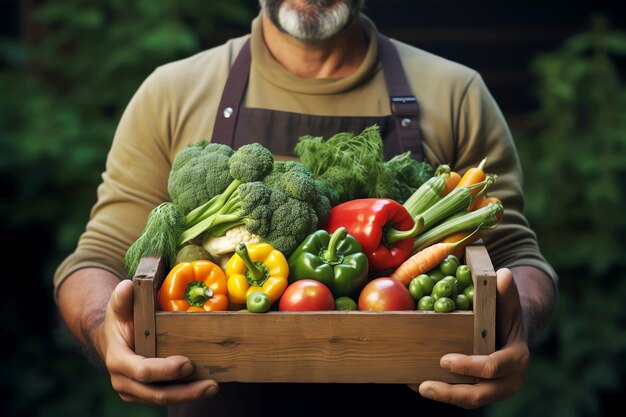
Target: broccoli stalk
247,204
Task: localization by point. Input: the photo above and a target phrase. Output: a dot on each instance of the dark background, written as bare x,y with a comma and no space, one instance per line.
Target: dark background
67,70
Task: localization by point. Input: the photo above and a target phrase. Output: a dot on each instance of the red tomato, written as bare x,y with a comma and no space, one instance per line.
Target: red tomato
385,294
307,295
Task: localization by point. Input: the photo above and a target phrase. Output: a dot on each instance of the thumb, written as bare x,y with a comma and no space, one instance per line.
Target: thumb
509,309
121,302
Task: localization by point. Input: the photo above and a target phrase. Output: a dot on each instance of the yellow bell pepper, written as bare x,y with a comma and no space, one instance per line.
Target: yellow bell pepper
257,267
194,286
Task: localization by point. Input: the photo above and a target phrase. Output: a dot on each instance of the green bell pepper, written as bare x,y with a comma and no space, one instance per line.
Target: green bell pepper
335,260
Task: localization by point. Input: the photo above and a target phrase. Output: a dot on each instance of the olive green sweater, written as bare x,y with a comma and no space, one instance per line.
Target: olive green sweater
176,105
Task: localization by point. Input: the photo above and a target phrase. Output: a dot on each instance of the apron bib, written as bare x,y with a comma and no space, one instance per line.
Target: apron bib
236,125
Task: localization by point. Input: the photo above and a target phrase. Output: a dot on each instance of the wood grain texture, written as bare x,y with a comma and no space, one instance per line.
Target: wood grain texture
484,278
335,346
148,277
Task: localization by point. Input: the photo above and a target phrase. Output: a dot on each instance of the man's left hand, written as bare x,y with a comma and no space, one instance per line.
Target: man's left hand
503,371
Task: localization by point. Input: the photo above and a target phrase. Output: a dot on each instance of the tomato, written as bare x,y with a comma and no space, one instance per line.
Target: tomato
449,265
385,294
444,305
464,275
258,302
345,303
306,295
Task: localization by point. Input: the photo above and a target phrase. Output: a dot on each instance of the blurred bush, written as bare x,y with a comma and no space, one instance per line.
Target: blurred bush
574,158
61,96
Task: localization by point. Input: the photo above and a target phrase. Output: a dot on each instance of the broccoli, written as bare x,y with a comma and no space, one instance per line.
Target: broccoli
249,163
292,221
269,213
199,172
297,181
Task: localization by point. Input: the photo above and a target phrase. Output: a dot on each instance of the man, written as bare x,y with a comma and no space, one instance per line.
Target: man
308,67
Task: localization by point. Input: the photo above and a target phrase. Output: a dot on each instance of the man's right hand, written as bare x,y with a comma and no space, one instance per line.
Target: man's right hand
134,377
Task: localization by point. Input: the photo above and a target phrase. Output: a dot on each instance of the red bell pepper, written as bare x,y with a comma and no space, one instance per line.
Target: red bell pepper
383,227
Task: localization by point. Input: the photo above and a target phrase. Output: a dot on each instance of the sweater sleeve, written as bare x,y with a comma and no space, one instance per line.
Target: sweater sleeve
481,131
134,182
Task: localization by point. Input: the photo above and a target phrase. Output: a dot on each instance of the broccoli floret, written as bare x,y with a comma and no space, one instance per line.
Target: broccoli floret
199,172
251,163
293,178
292,221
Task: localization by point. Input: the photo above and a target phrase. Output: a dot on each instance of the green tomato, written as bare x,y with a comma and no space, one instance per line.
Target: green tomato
462,302
415,289
426,303
444,305
427,283
436,275
464,275
258,302
345,303
456,287
449,265
442,289
469,292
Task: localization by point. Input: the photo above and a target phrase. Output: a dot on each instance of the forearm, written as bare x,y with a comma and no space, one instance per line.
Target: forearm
82,302
537,297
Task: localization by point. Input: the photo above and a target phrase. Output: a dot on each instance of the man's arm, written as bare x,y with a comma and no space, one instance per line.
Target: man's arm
525,301
98,310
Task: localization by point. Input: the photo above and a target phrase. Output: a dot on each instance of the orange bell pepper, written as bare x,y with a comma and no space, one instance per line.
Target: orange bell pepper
194,286
256,267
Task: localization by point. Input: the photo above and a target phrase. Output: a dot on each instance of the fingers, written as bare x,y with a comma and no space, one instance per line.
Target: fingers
162,394
511,359
148,370
469,396
152,380
510,319
121,303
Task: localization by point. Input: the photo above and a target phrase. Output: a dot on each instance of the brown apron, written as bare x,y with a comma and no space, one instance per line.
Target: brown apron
236,125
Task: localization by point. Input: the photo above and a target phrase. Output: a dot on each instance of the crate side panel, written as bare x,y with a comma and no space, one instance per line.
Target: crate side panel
342,347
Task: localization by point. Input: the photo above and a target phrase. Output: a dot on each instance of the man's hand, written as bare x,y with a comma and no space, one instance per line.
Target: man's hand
139,379
503,371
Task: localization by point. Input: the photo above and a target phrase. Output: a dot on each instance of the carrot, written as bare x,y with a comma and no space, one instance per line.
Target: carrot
451,182
425,260
455,237
473,176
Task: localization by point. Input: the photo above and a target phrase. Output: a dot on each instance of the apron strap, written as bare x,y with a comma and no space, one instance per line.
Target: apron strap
232,97
404,105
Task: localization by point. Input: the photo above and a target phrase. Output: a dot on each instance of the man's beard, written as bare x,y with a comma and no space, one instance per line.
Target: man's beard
317,20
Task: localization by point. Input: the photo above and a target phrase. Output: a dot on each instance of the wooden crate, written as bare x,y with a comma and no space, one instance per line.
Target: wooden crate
325,347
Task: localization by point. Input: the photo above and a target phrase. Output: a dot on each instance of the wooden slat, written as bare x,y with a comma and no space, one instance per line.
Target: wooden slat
149,274
484,279
339,347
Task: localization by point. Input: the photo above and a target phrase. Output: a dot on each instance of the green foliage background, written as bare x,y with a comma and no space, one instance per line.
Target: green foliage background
62,95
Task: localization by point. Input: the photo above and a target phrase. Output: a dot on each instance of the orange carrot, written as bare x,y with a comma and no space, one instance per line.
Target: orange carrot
455,237
473,176
451,182
425,260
